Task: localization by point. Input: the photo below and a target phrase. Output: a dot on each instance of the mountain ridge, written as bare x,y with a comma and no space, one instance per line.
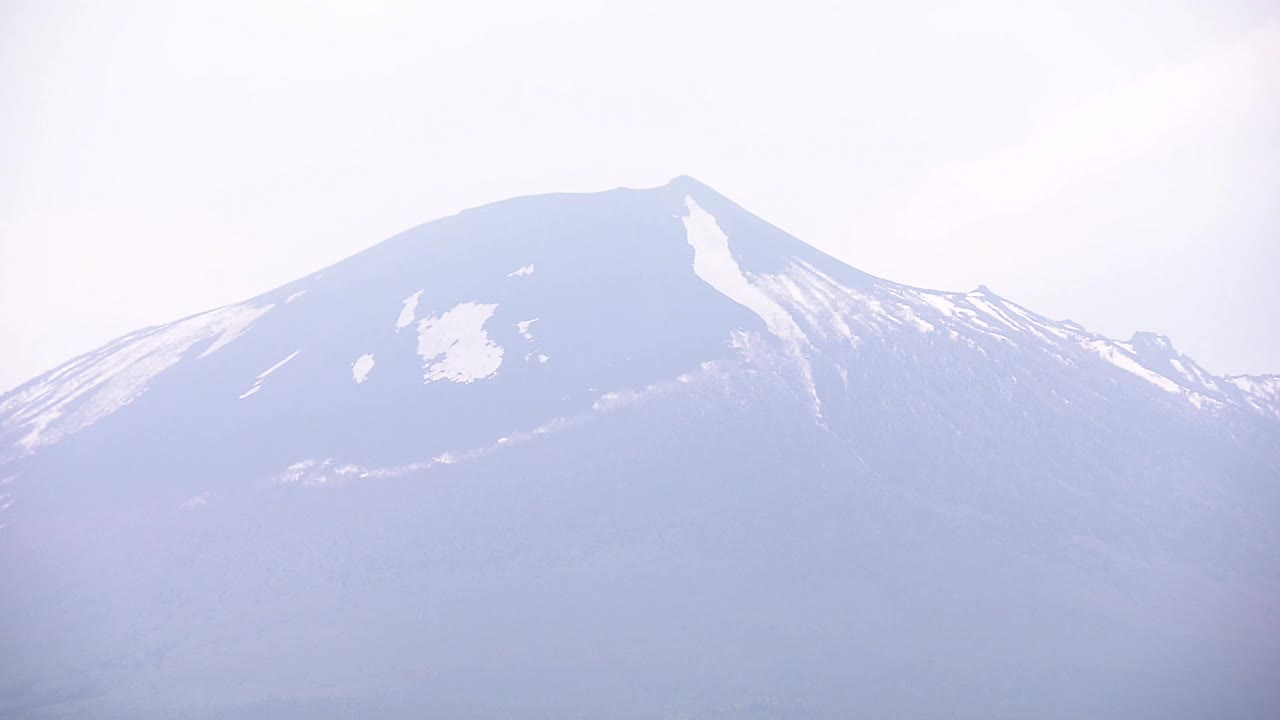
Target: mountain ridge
1176,373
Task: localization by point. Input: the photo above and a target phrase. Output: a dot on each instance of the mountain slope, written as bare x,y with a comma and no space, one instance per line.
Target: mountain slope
635,454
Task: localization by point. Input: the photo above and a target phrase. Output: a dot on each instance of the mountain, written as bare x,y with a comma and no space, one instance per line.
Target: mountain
635,454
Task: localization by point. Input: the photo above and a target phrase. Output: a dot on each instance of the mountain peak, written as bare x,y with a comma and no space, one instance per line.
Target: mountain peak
502,449
687,183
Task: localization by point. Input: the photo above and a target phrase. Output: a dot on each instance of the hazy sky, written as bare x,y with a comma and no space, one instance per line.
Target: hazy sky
1115,163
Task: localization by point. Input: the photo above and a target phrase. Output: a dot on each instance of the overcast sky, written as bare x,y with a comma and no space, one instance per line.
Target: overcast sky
1114,163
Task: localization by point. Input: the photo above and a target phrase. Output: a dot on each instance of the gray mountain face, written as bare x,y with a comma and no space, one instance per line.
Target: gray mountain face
635,454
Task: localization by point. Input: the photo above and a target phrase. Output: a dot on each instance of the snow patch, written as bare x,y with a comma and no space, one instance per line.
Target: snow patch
316,473
1267,386
455,346
1108,351
978,301
309,473
1262,392
908,315
233,324
83,391
522,327
940,303
714,263
843,302
1205,378
361,367
294,296
257,383
1182,370
1200,401
408,312
816,303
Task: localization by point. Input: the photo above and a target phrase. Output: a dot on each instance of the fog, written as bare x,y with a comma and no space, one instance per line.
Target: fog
1110,163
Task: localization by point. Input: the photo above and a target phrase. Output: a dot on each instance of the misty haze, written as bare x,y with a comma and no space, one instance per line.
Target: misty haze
637,452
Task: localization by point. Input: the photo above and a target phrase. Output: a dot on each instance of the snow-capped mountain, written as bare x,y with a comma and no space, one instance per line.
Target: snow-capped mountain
635,454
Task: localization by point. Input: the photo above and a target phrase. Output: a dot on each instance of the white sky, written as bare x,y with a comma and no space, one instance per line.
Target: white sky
1116,163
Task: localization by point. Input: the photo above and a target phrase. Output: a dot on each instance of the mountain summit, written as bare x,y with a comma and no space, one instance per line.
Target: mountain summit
635,454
